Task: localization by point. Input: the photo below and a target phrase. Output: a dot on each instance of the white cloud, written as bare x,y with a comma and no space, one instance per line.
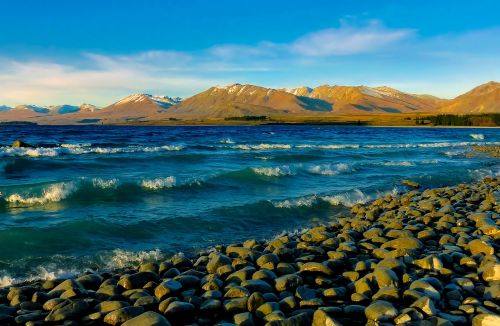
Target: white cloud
102,78
101,83
347,40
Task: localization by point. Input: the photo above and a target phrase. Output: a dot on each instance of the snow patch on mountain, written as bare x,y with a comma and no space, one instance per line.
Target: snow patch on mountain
163,101
5,108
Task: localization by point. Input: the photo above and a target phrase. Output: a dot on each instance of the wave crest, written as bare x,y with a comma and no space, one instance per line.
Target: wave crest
329,170
52,193
159,183
477,136
82,149
274,171
249,147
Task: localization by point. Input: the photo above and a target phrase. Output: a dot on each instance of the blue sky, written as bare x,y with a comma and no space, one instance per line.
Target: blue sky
54,52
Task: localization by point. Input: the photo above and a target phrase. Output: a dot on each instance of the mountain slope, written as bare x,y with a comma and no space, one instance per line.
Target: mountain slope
136,107
484,98
363,100
241,100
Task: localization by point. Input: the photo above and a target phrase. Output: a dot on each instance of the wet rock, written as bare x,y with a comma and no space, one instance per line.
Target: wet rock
313,267
167,288
149,318
425,305
410,183
20,144
119,316
478,246
288,282
67,310
236,305
381,310
403,243
486,320
491,272
108,306
180,311
243,319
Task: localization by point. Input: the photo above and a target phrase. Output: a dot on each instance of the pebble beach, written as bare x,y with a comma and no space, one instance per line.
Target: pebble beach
425,257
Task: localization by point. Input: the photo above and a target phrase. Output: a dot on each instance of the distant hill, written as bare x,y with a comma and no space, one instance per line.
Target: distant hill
482,99
364,99
239,100
136,107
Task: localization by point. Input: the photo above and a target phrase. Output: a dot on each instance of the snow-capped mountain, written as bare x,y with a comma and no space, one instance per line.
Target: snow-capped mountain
146,99
33,108
5,108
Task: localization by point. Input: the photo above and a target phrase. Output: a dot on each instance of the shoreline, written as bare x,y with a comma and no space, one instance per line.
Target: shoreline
202,124
423,256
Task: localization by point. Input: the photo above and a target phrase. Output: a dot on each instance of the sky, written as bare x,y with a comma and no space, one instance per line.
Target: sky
95,51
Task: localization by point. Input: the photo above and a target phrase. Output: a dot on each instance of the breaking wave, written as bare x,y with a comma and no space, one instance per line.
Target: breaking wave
477,136
261,147
347,199
278,171
329,169
53,193
159,183
81,149
90,190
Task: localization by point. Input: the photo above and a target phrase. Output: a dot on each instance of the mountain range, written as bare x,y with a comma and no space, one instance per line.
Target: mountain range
239,100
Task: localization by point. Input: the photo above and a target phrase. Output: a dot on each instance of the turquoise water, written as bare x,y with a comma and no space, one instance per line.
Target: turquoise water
103,197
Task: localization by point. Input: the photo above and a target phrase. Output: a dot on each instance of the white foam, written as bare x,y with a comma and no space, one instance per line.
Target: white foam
329,146
399,163
226,141
348,199
80,149
105,183
52,193
477,136
159,183
122,258
357,196
41,273
329,170
273,171
248,147
479,174
76,145
299,202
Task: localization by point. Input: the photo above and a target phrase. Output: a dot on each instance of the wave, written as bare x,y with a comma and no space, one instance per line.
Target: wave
159,183
226,141
81,149
477,136
347,199
53,193
91,190
329,170
356,146
37,274
479,174
399,163
62,267
105,184
428,145
274,171
260,147
120,258
331,146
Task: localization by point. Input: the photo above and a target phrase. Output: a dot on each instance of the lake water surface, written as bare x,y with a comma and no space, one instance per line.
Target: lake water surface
103,197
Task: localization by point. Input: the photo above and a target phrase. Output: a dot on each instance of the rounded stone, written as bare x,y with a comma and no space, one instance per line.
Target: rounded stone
381,310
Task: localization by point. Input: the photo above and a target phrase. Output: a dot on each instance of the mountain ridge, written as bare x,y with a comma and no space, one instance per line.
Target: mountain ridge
238,100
